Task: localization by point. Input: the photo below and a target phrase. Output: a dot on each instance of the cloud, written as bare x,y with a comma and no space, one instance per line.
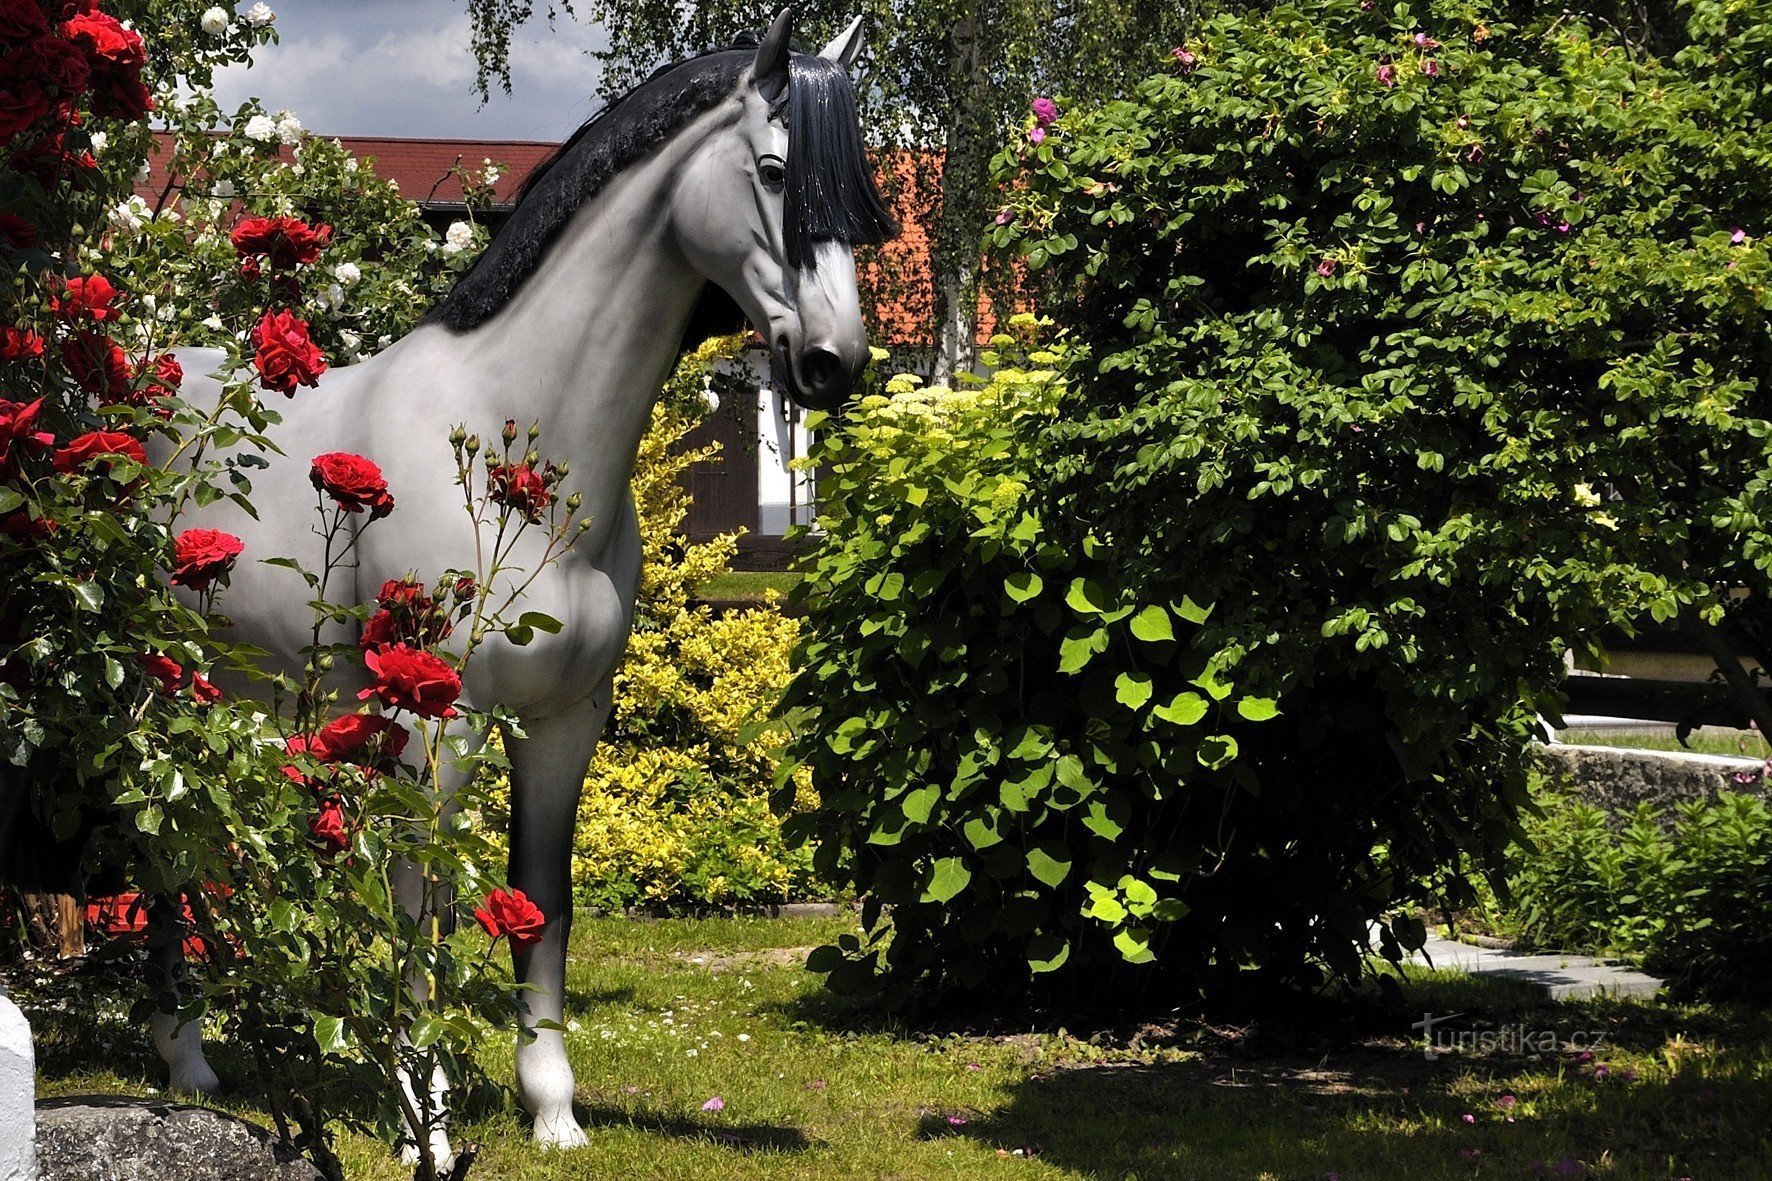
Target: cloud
402,67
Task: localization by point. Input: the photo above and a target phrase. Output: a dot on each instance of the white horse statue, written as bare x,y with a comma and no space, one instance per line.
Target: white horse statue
737,175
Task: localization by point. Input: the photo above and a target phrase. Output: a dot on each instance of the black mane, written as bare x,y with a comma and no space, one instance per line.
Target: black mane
830,188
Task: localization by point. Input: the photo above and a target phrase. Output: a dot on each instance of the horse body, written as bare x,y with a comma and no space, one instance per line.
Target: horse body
582,345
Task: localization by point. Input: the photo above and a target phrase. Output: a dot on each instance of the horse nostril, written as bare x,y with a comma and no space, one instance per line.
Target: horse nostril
822,369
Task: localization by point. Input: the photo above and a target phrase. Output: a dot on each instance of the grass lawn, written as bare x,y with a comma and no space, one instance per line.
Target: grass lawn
668,1015
736,586
1707,740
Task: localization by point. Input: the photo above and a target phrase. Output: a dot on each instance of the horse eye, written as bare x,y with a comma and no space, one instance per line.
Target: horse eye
772,174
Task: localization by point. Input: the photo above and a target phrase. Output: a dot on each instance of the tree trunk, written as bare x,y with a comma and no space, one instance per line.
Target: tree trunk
964,181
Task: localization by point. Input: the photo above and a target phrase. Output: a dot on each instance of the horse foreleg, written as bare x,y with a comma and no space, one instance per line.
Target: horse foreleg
181,1045
547,773
411,893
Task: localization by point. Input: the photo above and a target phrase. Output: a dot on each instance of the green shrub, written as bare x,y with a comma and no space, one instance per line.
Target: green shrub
1692,901
1418,344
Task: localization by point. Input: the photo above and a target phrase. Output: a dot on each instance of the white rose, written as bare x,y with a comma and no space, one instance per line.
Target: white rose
99,140
289,129
223,188
347,274
261,128
142,173
129,216
214,21
458,237
213,323
260,15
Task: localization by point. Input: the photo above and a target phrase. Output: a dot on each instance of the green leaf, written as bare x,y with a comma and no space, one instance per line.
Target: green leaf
1086,597
9,499
1049,862
1048,952
1023,585
1184,709
1191,611
946,880
1079,647
1258,709
1134,944
331,1035
540,622
1152,625
89,595
1132,689
981,832
917,804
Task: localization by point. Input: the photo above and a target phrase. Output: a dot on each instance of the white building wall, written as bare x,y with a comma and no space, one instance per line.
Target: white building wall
784,497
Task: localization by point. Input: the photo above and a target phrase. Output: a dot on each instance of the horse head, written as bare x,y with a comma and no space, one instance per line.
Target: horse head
770,212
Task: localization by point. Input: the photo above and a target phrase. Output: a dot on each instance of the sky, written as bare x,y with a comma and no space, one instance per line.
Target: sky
402,67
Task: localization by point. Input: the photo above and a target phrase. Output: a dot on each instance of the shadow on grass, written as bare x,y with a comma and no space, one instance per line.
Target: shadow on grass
747,1138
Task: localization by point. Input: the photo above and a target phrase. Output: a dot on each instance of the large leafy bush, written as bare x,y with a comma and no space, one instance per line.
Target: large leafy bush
1419,345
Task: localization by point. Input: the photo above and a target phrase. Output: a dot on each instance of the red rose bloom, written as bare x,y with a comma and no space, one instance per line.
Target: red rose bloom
115,56
354,483
202,691
100,366
60,64
21,20
98,445
88,298
381,630
346,739
18,421
406,678
162,668
285,241
200,556
408,616
396,593
509,913
16,231
328,826
521,487
286,356
20,344
22,103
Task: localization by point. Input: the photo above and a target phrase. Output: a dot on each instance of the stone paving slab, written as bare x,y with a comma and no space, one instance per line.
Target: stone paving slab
1560,976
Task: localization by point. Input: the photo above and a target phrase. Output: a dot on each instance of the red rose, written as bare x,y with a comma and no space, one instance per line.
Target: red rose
510,913
286,241
162,668
354,483
163,380
17,232
60,64
202,691
345,739
408,616
521,487
381,630
328,826
100,366
21,20
18,421
403,592
406,678
20,344
115,56
22,103
86,298
98,445
200,556
287,356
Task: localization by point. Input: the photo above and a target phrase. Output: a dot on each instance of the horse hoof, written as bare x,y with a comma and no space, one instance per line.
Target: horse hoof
559,1131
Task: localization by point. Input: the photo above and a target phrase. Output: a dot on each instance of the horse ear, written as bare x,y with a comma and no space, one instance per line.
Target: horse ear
771,70
845,48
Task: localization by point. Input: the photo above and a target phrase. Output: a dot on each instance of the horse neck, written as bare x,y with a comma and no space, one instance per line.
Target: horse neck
587,342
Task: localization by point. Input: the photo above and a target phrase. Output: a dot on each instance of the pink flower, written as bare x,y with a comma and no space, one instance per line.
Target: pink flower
1184,59
1468,1118
1737,236
714,1104
973,1066
1423,41
1387,75
1045,111
1036,134
956,1121
1506,1102
1431,68
1004,217
1326,267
